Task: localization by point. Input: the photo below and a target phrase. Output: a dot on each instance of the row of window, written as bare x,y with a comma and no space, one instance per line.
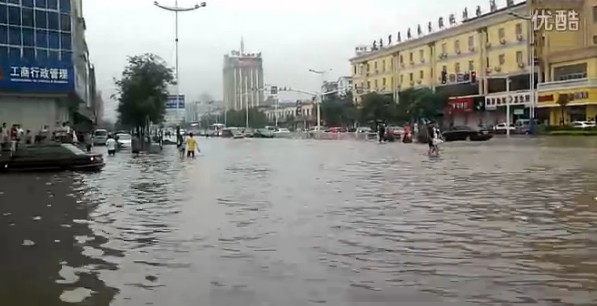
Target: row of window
17,37
444,49
34,55
59,5
39,19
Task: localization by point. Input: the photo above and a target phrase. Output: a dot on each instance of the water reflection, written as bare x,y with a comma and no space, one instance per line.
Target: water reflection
298,222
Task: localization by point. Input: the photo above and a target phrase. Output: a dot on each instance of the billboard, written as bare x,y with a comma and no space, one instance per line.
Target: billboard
174,103
21,76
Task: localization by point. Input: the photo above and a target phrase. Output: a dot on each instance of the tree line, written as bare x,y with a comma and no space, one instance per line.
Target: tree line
142,92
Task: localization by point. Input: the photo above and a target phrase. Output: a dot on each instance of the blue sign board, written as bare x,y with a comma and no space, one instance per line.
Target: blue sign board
174,103
37,77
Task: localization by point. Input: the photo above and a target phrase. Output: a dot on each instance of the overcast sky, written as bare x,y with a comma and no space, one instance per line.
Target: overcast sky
293,36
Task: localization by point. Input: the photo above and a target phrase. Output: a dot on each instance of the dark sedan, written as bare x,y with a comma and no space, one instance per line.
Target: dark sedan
51,157
456,133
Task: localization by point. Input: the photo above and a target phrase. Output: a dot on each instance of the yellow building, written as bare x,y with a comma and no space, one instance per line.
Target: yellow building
496,46
569,59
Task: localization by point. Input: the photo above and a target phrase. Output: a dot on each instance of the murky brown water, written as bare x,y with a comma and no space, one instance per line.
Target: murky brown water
297,222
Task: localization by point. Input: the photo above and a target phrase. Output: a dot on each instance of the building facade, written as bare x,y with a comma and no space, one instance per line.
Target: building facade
492,48
243,79
45,72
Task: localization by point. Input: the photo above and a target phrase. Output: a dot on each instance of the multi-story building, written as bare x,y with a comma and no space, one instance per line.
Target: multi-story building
243,79
491,48
45,73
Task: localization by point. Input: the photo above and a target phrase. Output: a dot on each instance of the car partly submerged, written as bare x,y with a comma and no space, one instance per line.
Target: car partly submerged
51,157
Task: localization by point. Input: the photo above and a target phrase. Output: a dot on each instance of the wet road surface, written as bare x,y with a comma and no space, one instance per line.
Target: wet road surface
298,222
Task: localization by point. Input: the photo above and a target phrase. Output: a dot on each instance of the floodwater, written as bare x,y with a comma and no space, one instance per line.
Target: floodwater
299,222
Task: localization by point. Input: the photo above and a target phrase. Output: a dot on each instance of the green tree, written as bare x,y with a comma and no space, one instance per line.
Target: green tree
378,107
420,103
142,91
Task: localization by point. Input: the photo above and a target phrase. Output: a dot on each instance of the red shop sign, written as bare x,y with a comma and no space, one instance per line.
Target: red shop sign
461,105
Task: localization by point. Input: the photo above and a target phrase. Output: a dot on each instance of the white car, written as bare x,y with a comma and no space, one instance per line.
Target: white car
583,124
282,133
124,140
501,128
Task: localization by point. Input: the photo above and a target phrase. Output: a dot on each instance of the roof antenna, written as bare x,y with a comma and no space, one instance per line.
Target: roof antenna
242,46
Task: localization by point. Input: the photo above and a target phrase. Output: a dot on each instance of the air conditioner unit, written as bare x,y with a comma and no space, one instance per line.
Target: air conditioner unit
458,51
498,68
419,81
412,83
502,41
519,36
521,65
488,45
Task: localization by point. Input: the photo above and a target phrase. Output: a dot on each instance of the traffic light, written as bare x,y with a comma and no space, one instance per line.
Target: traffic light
479,104
444,77
473,77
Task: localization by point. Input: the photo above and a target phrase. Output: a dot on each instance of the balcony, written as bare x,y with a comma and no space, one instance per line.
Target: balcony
567,84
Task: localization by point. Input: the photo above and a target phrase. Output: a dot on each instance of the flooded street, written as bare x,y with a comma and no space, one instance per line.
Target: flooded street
299,222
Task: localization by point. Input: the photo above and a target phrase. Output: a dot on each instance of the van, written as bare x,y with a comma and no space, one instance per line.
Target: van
523,126
100,136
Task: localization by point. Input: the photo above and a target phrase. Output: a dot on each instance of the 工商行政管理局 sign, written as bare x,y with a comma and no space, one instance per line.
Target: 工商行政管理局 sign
46,75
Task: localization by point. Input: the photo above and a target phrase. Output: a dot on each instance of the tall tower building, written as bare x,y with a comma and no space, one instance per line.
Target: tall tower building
243,79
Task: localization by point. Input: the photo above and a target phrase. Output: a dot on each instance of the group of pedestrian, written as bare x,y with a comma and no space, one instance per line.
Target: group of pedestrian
10,138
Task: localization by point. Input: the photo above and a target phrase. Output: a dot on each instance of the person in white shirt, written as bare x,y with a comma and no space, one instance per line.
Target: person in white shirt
111,145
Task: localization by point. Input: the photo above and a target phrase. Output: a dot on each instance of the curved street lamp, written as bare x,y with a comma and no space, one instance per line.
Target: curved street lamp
177,9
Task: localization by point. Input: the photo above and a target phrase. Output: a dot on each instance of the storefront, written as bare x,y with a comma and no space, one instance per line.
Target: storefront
496,106
581,106
466,111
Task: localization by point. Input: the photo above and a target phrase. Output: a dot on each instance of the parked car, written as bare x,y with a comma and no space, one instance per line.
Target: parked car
502,128
583,124
100,136
263,133
365,133
456,133
248,133
232,133
52,157
124,140
523,126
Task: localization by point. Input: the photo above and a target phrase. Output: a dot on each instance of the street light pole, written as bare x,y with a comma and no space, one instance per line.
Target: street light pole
176,9
508,106
531,38
322,73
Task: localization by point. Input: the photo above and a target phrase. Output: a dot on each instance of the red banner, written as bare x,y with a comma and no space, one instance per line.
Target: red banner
460,105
